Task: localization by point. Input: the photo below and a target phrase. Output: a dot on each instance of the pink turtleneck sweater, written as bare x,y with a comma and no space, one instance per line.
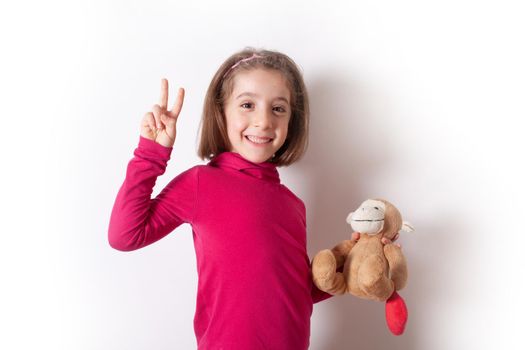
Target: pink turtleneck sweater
254,276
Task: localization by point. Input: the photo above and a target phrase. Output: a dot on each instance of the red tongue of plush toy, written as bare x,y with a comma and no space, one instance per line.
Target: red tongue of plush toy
396,314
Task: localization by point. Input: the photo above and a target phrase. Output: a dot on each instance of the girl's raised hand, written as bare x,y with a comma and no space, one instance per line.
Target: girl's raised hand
159,125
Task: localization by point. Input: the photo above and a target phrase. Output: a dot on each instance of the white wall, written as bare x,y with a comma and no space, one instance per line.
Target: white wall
420,102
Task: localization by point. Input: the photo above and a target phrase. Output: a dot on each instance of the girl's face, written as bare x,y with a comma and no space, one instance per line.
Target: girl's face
257,113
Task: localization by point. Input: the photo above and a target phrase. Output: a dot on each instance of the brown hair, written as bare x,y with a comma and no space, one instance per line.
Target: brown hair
213,134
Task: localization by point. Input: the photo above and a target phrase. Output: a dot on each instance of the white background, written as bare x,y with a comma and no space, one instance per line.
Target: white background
419,102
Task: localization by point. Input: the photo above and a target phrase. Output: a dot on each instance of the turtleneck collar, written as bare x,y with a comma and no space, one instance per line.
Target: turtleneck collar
266,170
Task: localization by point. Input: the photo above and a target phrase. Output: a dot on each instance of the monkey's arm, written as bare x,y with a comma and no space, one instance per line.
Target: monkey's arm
327,268
341,251
398,265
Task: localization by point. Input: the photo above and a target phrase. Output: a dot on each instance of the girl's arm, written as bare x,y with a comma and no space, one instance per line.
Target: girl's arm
137,220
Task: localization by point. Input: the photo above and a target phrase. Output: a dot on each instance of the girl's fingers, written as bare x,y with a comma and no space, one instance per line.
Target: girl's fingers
386,241
163,93
178,103
151,122
157,111
167,120
148,125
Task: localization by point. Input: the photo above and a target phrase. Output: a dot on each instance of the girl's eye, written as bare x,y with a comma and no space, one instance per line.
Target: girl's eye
250,105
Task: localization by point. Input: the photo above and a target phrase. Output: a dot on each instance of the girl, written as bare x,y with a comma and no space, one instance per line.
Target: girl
254,287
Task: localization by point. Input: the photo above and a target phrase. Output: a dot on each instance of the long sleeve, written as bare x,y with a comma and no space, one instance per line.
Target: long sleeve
137,220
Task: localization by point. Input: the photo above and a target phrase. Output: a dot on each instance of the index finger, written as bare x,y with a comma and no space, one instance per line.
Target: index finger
163,103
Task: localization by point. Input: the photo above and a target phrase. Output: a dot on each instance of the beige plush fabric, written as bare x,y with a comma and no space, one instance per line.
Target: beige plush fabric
371,269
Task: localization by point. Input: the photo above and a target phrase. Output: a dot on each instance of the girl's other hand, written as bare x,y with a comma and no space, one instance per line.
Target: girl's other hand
159,125
388,241
384,240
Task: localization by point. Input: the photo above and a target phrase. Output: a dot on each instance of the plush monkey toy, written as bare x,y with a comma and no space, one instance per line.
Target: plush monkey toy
371,270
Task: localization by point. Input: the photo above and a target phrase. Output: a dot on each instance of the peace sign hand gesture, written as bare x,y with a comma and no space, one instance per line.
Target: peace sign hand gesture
160,124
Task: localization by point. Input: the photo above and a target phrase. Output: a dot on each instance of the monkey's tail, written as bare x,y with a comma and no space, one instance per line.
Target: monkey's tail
396,314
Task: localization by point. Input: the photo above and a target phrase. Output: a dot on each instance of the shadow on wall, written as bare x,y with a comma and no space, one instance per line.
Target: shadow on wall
348,144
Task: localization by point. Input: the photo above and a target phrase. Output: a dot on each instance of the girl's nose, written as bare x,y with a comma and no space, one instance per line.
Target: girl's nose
263,120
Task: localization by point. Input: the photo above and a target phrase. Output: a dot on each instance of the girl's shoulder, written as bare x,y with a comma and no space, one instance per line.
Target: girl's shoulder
293,196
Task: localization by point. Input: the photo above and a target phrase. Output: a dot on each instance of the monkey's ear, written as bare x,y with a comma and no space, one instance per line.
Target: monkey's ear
349,218
407,227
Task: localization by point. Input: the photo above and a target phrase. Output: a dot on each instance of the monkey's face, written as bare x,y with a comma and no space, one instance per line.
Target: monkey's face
368,218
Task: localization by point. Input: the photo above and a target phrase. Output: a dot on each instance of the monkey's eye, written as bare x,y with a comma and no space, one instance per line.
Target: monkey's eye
376,208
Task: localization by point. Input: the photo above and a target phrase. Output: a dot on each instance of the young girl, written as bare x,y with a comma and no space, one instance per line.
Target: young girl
254,287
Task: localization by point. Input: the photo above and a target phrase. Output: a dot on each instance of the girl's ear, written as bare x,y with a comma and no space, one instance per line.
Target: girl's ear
407,227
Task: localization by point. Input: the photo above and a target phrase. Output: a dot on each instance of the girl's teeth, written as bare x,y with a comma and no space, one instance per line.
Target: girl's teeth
258,140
